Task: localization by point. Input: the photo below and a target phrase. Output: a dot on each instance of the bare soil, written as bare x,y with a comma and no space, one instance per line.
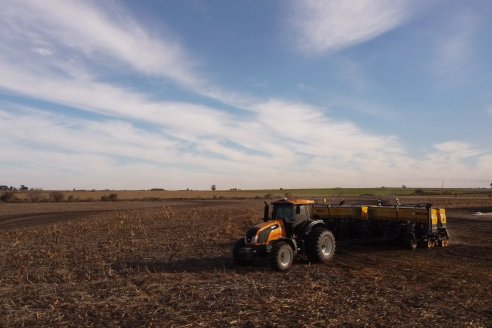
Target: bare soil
13,215
170,266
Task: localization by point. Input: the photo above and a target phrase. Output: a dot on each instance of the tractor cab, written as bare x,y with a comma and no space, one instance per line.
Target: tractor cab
292,212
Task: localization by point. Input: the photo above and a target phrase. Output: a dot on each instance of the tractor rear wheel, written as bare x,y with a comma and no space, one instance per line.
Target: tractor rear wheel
282,256
320,245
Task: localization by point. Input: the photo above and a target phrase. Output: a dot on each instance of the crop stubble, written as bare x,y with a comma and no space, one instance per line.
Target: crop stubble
170,266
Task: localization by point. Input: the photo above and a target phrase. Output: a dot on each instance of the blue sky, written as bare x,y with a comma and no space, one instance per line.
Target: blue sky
245,94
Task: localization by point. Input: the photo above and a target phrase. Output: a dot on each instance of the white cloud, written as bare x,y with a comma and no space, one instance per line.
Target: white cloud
457,149
315,133
42,141
106,99
329,25
99,33
43,51
106,36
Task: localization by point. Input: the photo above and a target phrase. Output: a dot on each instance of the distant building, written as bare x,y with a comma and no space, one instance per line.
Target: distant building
4,188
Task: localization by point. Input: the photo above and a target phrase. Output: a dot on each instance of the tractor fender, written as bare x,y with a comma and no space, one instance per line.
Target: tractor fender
313,224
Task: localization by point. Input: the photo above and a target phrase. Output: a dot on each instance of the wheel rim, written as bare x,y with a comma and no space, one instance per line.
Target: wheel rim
285,257
326,246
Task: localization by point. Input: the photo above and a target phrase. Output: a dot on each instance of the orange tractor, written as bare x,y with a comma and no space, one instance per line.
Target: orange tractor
286,232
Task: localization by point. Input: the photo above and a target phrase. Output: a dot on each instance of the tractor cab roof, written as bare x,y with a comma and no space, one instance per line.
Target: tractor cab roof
293,201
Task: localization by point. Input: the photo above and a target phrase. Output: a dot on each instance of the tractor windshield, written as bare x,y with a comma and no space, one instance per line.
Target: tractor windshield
282,212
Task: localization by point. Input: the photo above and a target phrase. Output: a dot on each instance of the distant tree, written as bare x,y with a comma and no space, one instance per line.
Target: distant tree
23,187
213,187
8,197
110,198
56,196
404,186
113,197
491,185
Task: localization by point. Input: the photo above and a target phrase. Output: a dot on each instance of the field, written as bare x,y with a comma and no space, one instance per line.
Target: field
168,263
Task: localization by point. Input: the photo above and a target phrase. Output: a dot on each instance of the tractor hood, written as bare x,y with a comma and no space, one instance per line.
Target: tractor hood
261,233
267,224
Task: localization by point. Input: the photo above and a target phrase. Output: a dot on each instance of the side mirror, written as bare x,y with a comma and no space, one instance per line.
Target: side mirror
266,211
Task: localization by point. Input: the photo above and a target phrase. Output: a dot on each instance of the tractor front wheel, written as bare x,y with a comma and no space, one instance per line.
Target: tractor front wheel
282,256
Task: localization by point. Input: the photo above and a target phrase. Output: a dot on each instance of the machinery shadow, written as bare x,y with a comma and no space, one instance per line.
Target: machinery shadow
225,263
189,265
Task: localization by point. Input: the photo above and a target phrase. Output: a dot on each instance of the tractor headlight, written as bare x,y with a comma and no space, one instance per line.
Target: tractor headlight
250,237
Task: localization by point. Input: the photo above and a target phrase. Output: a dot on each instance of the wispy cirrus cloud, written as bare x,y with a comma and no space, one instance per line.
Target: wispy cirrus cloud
56,26
325,26
107,38
458,149
110,100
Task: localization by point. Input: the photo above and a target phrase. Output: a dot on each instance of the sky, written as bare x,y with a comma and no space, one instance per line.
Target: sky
245,94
